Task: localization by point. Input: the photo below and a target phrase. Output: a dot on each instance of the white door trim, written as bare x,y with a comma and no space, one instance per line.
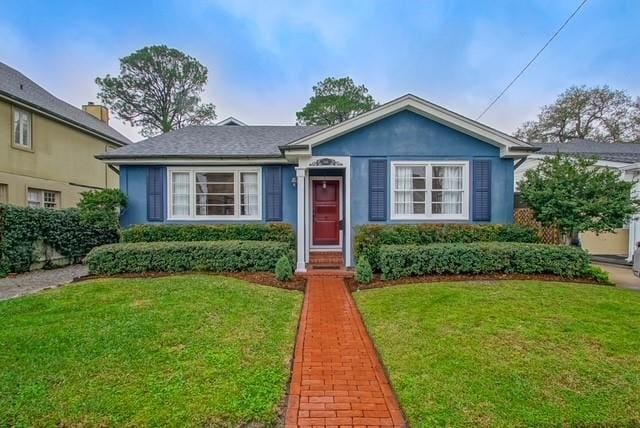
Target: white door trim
338,247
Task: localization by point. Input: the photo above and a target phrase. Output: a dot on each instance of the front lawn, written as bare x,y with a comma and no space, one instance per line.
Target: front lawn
511,353
175,351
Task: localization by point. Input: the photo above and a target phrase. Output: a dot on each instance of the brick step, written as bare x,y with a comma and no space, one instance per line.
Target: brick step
326,258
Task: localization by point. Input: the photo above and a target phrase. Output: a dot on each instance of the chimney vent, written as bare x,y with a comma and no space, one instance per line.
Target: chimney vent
98,111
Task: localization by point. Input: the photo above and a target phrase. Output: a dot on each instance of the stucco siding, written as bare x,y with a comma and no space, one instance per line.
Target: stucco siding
62,159
133,181
409,136
403,136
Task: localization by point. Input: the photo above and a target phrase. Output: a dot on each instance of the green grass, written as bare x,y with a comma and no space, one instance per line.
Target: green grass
512,353
176,351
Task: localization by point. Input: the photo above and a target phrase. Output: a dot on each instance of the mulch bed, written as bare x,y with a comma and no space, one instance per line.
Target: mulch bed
377,282
262,278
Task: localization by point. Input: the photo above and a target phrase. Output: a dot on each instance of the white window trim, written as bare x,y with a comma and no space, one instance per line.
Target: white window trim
41,201
428,215
192,193
29,124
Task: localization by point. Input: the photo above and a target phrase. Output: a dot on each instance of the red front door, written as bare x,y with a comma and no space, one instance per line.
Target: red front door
326,212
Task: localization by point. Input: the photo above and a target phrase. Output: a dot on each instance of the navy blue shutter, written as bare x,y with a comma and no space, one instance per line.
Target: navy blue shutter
481,190
273,193
377,190
155,207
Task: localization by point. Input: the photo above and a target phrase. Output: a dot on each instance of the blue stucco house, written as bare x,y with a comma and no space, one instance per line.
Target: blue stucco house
407,161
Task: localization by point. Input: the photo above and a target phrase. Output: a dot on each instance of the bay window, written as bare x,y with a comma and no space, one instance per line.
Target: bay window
430,190
214,193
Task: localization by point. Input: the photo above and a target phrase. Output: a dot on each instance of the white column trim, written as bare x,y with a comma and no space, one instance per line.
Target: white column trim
347,213
301,265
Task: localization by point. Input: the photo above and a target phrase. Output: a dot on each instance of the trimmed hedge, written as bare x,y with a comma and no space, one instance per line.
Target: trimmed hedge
64,230
278,232
212,256
482,258
369,238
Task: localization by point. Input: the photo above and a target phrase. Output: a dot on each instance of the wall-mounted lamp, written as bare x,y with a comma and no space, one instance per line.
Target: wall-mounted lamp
294,180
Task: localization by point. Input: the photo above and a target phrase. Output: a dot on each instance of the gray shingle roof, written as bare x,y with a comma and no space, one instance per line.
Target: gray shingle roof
215,141
616,152
16,85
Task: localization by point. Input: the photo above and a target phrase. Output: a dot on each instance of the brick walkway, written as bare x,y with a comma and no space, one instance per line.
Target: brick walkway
337,378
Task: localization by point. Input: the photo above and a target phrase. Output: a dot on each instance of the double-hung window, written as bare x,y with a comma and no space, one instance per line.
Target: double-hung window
37,198
430,190
215,193
21,128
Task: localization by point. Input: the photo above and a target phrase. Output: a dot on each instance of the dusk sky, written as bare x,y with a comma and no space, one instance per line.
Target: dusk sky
263,57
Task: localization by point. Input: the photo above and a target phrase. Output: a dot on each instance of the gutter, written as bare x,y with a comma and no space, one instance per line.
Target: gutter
16,100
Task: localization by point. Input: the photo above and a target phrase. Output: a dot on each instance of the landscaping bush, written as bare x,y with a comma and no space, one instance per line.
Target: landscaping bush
369,238
64,230
364,273
284,269
279,232
598,275
213,256
482,258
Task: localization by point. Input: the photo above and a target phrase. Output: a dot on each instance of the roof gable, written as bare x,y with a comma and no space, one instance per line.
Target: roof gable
16,87
509,146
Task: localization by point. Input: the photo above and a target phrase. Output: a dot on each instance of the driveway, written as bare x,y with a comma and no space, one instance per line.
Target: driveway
622,276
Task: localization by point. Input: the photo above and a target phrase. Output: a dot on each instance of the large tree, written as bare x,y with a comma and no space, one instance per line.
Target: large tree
335,100
599,113
574,195
158,89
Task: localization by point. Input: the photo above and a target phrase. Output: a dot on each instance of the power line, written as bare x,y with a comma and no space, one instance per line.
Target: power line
532,60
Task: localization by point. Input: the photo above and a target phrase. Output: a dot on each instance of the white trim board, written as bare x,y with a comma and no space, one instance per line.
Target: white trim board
192,194
466,181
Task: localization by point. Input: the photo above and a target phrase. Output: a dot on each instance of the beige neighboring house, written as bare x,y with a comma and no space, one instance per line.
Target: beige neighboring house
48,147
623,157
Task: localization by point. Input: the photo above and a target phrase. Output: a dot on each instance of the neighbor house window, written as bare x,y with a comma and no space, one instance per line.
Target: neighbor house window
37,198
430,190
215,193
4,193
22,128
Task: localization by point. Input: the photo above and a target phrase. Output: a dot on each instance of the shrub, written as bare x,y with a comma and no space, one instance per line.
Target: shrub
364,273
64,230
279,232
220,256
284,269
482,258
102,207
369,238
598,275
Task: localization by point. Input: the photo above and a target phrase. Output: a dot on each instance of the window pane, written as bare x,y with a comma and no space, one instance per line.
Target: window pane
50,199
34,198
249,193
16,127
215,193
180,190
26,129
447,187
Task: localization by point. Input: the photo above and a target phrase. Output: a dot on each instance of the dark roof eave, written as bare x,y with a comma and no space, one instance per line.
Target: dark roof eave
288,147
107,156
528,149
36,107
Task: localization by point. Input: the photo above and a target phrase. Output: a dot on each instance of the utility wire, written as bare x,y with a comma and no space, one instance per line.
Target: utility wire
532,60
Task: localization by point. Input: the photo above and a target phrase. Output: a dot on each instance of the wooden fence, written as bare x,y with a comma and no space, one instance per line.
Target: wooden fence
548,235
